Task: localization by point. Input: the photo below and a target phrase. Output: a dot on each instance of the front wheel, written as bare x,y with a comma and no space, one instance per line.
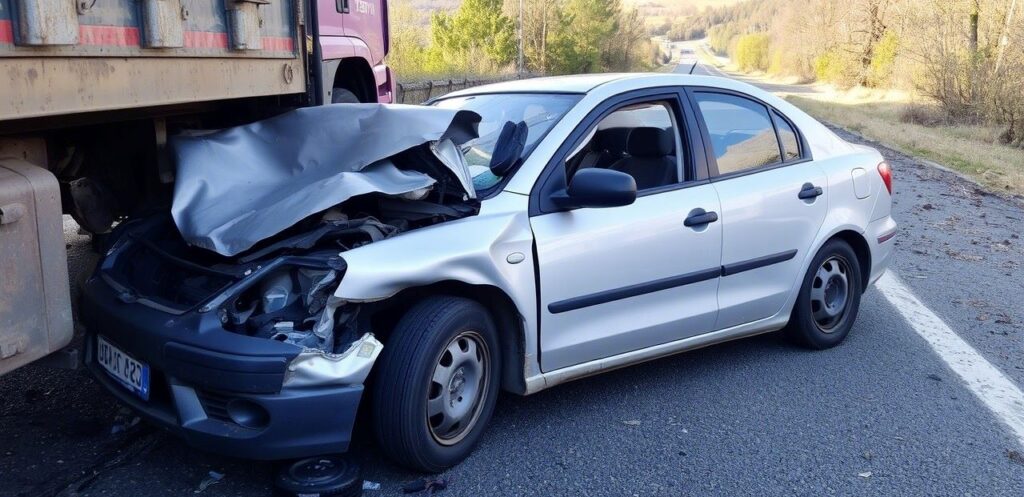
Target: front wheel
437,383
829,298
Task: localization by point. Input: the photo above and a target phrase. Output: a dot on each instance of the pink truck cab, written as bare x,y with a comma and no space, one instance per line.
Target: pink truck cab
353,38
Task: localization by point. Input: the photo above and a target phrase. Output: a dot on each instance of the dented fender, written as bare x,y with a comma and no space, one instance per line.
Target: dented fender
493,248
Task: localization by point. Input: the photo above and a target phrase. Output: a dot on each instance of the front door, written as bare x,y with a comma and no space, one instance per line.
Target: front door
614,280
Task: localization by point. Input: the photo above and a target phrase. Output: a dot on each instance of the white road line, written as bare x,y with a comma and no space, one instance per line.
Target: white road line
991,386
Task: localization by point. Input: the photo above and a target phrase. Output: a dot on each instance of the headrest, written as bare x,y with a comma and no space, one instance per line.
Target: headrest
612,139
650,142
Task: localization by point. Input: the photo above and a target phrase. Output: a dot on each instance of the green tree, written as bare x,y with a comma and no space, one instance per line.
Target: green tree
408,38
477,29
752,52
544,32
590,26
883,59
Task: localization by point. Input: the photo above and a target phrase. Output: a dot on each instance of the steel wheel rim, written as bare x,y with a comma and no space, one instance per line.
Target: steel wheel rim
458,388
830,293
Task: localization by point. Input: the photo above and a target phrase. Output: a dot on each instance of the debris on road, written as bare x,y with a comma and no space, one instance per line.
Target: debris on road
866,474
122,426
332,474
631,422
934,377
1015,456
370,485
212,478
430,485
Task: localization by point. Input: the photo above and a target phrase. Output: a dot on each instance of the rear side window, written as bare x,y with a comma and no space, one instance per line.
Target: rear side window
787,137
742,134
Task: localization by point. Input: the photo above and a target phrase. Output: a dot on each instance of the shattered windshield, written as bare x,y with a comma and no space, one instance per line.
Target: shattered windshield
540,111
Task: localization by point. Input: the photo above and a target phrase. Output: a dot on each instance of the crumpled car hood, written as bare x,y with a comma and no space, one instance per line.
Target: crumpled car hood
241,185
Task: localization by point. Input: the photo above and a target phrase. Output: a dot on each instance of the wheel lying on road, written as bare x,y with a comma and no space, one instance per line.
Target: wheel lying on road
829,298
330,475
437,382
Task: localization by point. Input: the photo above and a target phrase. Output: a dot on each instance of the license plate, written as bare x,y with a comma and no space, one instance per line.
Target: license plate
134,375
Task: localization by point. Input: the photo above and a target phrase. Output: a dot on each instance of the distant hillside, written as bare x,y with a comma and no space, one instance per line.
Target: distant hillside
653,7
683,4
653,12
666,13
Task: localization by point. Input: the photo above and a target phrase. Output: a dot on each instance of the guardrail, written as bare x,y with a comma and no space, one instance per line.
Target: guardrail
417,92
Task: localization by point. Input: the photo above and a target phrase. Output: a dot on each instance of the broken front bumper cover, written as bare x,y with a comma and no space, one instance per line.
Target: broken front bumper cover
224,392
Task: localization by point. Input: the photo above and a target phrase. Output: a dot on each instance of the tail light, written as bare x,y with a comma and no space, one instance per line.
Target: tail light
886,173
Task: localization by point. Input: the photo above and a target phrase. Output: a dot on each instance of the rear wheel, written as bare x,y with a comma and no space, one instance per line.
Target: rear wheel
437,383
829,298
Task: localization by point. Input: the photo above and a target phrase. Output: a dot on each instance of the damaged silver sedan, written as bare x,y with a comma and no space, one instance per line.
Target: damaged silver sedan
412,262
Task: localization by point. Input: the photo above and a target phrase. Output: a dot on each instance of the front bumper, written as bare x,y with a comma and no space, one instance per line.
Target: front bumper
219,391
298,423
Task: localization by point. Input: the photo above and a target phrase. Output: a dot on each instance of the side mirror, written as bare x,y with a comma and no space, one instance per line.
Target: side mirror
593,187
509,147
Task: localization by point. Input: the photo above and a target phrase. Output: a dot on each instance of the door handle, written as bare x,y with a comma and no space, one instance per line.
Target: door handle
700,217
809,191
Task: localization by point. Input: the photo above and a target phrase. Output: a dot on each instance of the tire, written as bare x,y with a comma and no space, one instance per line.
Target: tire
330,475
829,298
343,96
437,382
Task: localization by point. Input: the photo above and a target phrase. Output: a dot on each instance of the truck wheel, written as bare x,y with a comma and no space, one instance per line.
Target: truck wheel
437,382
343,96
829,298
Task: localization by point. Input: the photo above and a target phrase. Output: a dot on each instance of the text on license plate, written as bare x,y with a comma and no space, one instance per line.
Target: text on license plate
133,374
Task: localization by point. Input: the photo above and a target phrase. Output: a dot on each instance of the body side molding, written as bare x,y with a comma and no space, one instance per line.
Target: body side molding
605,296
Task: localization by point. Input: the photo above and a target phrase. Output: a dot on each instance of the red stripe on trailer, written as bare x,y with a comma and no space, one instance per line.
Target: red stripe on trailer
278,44
6,32
206,39
117,36
125,36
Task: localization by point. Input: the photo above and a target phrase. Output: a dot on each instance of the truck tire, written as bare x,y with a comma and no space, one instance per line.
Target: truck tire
829,298
437,382
343,96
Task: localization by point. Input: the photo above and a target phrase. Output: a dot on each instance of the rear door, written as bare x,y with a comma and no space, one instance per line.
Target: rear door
614,280
773,200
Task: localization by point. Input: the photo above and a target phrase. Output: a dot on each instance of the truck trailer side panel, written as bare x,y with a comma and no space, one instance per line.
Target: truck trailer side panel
117,54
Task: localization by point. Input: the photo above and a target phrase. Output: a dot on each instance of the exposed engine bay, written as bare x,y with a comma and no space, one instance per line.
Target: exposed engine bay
210,256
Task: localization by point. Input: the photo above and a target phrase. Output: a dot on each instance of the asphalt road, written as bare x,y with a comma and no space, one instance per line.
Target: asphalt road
881,414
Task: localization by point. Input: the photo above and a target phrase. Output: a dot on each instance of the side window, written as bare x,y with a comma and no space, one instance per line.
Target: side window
638,139
790,143
742,134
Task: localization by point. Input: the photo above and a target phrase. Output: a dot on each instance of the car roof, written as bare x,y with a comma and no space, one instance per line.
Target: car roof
585,83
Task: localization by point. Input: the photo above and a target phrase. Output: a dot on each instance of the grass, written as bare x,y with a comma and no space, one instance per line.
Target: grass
875,114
